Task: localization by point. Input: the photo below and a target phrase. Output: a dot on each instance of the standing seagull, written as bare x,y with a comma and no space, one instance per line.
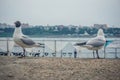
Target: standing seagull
95,43
22,40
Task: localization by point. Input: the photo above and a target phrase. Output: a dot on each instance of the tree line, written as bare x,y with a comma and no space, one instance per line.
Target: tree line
38,31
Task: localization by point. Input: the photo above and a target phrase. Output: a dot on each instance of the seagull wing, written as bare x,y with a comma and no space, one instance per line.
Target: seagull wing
81,44
26,40
96,42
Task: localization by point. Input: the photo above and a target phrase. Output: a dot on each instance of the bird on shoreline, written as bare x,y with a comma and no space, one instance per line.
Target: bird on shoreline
95,43
23,40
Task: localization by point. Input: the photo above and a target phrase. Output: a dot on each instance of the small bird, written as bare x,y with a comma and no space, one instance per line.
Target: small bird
23,40
95,43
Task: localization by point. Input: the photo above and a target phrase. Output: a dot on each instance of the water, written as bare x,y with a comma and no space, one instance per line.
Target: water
62,47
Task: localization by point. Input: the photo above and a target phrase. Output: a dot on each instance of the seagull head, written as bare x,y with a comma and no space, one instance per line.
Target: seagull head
100,32
17,24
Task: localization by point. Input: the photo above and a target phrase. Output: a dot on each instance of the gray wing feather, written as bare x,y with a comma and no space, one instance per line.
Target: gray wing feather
96,43
27,41
80,44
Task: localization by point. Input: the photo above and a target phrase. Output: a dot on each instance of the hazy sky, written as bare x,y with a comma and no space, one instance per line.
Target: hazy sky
56,12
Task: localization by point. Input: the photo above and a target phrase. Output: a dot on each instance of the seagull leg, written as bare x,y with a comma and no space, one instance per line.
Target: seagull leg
116,53
97,54
23,52
93,54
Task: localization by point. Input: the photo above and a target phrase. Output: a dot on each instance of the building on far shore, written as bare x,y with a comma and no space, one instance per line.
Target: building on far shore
102,26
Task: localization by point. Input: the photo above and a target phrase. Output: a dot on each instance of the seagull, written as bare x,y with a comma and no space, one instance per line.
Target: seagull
94,43
23,40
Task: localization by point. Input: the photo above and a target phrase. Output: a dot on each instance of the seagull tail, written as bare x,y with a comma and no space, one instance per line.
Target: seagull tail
42,45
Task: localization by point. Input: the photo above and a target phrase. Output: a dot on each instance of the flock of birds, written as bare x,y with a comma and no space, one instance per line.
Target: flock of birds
25,42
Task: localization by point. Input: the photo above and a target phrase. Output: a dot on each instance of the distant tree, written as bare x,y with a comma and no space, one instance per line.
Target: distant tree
65,30
81,31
